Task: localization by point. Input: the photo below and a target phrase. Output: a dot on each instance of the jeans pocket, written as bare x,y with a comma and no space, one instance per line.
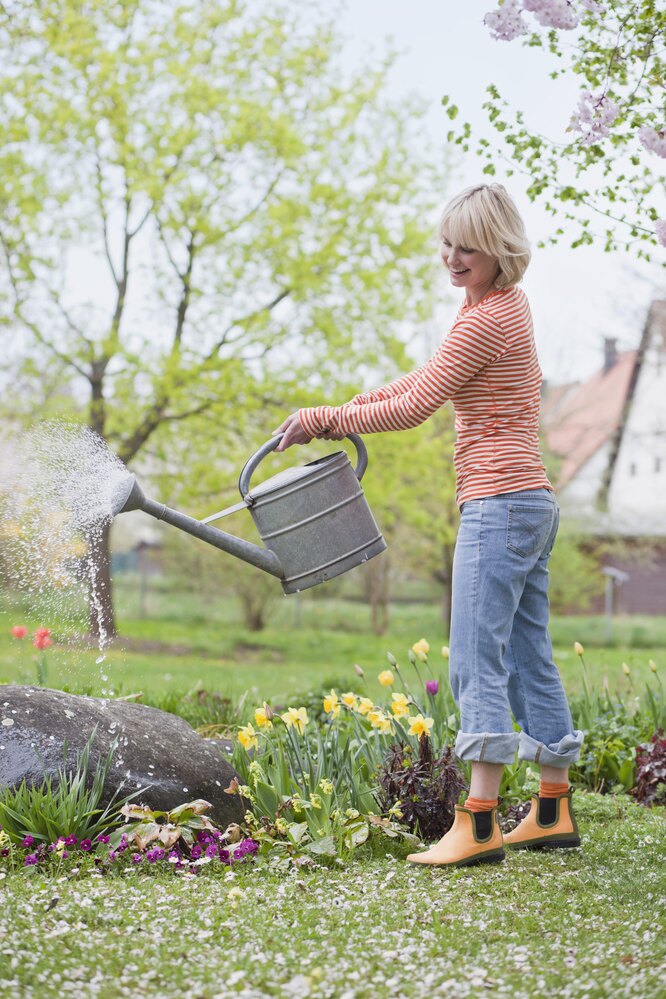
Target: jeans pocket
529,528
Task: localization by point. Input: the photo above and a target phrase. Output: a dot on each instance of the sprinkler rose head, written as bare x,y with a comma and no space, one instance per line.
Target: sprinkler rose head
128,496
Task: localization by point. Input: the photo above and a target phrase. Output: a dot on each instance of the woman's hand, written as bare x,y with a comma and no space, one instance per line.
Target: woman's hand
293,433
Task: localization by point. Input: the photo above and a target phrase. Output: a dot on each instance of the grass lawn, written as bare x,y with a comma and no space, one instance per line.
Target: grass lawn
185,641
586,922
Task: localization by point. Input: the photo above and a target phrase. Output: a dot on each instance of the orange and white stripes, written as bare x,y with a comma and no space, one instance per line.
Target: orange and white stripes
487,366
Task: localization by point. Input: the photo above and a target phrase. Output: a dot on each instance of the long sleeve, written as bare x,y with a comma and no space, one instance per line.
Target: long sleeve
473,343
398,387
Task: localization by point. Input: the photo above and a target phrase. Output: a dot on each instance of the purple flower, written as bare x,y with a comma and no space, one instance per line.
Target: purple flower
5,852
85,845
30,860
225,856
28,841
211,850
103,839
159,852
71,840
113,854
136,858
196,852
432,686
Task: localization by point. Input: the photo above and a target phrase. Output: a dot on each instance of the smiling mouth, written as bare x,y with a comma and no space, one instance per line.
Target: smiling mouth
459,272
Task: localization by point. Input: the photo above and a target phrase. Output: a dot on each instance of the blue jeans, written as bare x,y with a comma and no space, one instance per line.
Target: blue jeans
501,657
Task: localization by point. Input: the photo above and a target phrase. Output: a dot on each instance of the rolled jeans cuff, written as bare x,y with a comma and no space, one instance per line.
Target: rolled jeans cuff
556,754
487,747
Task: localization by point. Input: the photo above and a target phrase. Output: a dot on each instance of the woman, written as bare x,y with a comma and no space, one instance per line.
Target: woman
500,650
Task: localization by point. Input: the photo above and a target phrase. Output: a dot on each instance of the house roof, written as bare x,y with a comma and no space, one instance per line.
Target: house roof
580,418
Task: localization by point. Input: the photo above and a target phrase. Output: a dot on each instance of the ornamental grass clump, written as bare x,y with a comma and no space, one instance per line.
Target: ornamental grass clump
68,805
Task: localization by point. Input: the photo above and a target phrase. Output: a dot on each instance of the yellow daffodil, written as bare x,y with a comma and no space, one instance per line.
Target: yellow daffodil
248,737
298,717
626,670
386,678
262,719
364,705
332,704
376,718
445,652
578,649
418,725
421,648
349,699
400,705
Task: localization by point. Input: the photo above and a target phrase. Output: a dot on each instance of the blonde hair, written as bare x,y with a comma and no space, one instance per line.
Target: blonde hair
484,217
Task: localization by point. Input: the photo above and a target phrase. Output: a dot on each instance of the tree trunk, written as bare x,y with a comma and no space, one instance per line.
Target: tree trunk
98,576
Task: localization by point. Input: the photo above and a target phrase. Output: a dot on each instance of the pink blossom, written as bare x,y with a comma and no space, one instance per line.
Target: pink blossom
596,113
553,13
660,229
594,6
654,140
19,631
506,23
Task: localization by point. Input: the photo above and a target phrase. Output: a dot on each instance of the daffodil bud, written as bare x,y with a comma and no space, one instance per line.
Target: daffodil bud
445,652
358,670
626,670
578,649
653,666
391,658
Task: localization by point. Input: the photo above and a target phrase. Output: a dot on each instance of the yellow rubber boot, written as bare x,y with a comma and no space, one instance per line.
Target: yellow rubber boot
549,823
463,845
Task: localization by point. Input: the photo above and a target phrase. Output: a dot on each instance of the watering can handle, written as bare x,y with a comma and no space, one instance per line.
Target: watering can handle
251,464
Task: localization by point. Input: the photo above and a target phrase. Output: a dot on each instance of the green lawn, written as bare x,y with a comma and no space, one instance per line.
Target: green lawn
186,641
587,922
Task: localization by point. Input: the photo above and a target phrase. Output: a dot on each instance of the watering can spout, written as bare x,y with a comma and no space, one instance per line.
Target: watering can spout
132,497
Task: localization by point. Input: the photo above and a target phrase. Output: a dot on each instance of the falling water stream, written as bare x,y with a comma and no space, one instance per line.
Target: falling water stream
56,494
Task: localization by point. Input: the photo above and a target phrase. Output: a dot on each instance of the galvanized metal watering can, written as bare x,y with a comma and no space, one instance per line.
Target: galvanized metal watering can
313,519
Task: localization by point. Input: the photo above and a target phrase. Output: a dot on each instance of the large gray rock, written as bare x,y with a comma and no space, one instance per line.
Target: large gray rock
156,750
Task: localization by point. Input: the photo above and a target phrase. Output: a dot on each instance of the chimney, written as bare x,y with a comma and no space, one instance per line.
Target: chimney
610,352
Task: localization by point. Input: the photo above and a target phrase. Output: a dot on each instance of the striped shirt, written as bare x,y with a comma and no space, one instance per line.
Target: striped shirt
488,367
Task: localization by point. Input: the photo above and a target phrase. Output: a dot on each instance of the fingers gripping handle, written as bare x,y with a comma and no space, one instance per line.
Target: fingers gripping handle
251,464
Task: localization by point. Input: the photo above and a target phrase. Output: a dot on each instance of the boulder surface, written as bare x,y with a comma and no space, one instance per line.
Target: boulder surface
156,751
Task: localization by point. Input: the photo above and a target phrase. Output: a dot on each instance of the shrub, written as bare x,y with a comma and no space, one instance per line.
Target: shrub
650,786
420,788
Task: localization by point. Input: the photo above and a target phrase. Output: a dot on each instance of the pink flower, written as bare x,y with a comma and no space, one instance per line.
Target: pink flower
553,13
660,229
432,686
654,140
42,638
596,113
506,23
19,631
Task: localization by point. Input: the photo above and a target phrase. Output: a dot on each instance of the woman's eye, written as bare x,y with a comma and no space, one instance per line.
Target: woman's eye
464,249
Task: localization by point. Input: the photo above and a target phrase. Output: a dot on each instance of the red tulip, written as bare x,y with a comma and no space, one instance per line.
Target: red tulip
19,631
42,638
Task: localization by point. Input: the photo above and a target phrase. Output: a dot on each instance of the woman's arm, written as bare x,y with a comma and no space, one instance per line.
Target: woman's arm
472,344
397,387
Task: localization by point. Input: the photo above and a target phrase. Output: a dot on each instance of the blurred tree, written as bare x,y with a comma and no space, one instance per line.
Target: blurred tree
203,215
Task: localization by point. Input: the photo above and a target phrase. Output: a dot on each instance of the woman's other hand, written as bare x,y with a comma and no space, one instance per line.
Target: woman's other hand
293,433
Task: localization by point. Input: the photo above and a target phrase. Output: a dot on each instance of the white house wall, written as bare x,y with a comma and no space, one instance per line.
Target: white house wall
637,495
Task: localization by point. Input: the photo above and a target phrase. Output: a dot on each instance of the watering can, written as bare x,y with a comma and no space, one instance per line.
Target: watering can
313,519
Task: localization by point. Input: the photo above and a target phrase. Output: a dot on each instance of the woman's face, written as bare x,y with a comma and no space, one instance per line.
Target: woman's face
469,268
